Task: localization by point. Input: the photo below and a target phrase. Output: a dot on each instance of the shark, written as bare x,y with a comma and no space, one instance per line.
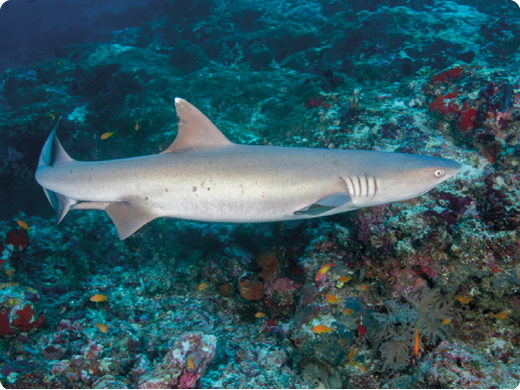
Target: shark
203,176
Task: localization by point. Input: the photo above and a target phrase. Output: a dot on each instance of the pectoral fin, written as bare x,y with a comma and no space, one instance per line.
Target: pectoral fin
324,204
128,218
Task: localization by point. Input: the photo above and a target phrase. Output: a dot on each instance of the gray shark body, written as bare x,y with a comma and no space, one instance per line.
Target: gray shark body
203,176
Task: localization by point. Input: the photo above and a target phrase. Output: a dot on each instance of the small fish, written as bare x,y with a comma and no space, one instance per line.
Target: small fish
23,225
446,321
351,356
102,328
361,367
345,279
321,329
52,116
137,127
417,343
259,315
365,287
331,299
500,316
323,270
203,286
107,135
348,312
99,298
463,300
9,273
262,328
190,364
57,62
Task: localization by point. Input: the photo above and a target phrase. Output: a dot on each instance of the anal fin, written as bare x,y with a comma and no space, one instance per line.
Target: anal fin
324,204
128,218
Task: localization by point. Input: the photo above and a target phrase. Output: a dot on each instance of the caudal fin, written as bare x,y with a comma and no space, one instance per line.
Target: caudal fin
53,154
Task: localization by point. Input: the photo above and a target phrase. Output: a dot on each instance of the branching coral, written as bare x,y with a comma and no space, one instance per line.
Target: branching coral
396,337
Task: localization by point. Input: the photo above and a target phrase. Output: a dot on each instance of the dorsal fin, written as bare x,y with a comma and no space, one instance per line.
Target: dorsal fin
195,131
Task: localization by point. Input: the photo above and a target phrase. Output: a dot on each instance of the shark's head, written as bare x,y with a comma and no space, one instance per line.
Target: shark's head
410,176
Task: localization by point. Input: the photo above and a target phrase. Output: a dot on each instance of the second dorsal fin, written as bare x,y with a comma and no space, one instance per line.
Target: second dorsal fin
196,131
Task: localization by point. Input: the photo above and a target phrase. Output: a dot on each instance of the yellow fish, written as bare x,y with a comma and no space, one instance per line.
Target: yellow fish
9,273
321,329
500,316
463,300
417,343
331,299
52,116
203,286
345,279
99,298
351,356
323,270
259,315
137,127
101,327
190,364
348,312
107,135
23,225
446,321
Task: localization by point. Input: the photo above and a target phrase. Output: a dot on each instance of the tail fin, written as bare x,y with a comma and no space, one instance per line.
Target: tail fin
51,155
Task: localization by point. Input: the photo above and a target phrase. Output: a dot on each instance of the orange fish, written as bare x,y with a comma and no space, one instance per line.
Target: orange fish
446,321
321,329
331,299
345,279
23,225
9,273
203,286
52,116
365,287
351,357
101,327
500,316
417,343
361,367
323,270
137,127
106,135
463,300
348,312
99,298
57,61
259,315
190,364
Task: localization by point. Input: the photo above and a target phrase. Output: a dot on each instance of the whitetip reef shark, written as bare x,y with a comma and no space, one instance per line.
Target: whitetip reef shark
203,176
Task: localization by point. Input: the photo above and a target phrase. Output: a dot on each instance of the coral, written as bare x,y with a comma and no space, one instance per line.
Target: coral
24,319
225,289
4,323
395,330
449,74
173,371
252,291
17,238
269,264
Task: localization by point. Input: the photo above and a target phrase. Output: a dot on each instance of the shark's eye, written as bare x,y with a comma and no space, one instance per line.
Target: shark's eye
439,172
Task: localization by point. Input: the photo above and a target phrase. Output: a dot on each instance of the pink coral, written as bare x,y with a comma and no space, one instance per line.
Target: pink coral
283,285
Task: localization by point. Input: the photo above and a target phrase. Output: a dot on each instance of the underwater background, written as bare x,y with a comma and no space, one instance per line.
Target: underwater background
424,294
